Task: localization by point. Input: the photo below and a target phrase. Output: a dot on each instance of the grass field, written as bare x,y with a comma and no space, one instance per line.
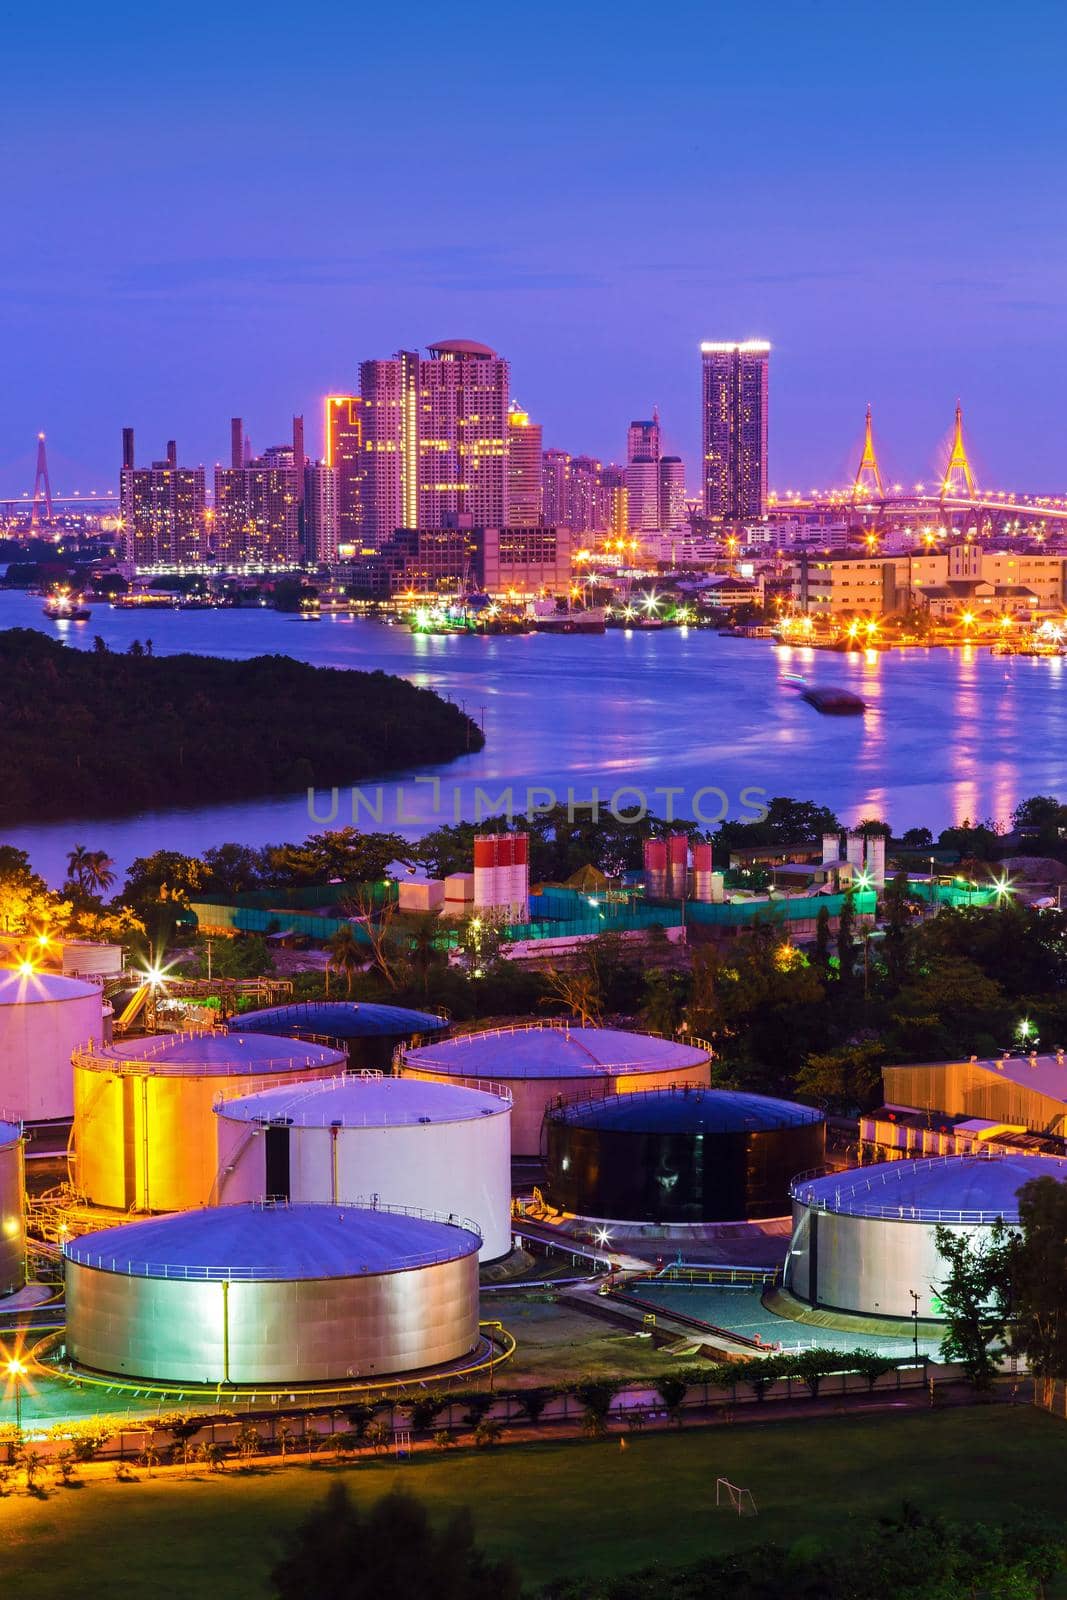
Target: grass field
567,1507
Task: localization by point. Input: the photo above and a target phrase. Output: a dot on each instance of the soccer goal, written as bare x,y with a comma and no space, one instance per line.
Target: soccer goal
737,1499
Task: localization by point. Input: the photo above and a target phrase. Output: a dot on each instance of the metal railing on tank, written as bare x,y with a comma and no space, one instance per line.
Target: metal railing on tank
146,1062
851,1198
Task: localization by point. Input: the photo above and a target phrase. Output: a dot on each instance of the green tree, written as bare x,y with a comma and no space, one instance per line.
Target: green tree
1040,1280
976,1296
347,955
845,1080
342,855
822,940
846,943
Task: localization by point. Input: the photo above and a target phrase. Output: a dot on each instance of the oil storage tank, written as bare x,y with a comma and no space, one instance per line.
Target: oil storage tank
264,1294
863,1240
434,1146
679,1155
144,1125
43,1017
547,1064
12,1210
369,1033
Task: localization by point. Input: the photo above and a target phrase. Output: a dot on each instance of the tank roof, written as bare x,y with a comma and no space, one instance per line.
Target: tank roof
359,1101
266,1241
340,1019
684,1109
10,1133
943,1189
214,1053
460,347
41,988
552,1050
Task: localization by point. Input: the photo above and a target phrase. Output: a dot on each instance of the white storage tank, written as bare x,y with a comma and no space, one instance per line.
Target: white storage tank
43,1017
429,1145
88,957
272,1295
144,1125
12,1209
547,1064
863,1240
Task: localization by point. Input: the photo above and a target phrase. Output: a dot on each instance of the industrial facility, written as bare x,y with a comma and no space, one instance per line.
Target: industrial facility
265,1294
144,1130
863,1241
404,1141
679,1155
368,1033
1025,1092
43,1018
546,1064
12,1210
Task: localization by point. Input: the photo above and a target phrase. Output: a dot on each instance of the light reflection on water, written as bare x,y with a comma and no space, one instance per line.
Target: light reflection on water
947,734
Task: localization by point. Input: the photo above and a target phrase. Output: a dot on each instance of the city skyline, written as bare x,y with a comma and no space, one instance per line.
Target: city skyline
819,181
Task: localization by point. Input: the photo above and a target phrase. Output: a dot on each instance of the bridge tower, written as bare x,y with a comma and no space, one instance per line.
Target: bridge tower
868,479
958,478
42,488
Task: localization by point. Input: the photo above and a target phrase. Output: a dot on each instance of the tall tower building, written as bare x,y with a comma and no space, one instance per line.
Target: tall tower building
642,493
435,439
671,493
556,488
643,440
525,493
735,429
257,505
343,453
321,522
162,509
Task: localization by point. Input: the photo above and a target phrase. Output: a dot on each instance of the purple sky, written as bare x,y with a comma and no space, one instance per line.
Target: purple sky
212,211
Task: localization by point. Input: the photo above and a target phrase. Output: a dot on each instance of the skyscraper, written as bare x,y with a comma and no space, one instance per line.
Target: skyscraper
643,440
642,492
320,512
525,492
435,439
671,493
257,506
162,509
735,429
343,452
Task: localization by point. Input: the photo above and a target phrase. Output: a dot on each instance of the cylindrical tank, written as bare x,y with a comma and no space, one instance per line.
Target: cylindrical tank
864,1240
84,957
255,1294
409,1143
677,865
546,1064
43,1017
655,863
703,887
680,1155
12,1210
144,1128
368,1033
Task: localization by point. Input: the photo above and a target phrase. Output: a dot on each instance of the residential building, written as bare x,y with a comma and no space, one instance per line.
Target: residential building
643,495
258,506
343,454
643,440
525,488
735,401
507,562
162,509
672,512
321,525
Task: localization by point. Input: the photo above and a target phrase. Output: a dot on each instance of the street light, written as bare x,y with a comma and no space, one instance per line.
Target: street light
16,1371
915,1318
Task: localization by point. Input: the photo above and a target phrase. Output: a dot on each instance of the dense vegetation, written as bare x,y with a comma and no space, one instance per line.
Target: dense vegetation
95,733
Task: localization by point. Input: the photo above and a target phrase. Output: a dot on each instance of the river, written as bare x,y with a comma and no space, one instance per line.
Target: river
948,733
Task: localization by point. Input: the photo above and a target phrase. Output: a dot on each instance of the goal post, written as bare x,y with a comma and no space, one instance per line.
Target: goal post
734,1498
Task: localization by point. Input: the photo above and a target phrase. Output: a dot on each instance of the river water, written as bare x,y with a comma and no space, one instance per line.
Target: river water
948,733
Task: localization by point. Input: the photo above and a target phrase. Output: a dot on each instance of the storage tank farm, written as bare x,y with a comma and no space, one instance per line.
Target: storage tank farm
272,1295
12,1209
679,1155
864,1239
144,1128
434,1146
43,1019
369,1034
545,1064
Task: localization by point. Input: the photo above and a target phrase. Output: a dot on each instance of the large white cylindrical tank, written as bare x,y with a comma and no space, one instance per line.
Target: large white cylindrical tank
270,1295
429,1145
548,1064
144,1125
43,1018
82,957
864,1240
12,1210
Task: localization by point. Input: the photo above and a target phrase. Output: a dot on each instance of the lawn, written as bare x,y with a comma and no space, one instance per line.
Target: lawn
566,1507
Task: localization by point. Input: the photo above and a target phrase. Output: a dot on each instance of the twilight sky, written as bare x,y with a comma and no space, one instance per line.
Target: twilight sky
215,210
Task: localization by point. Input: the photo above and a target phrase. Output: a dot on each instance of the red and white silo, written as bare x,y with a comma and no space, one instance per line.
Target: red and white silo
677,865
655,861
702,868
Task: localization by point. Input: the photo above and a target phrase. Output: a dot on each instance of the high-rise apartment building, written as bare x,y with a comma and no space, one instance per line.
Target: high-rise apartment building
321,539
162,509
258,505
343,453
577,492
735,429
435,439
525,490
642,493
